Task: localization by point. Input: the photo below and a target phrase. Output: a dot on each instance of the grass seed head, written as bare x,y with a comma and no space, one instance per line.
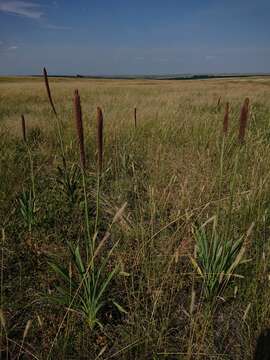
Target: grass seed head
243,120
79,126
135,117
23,128
226,119
48,90
100,138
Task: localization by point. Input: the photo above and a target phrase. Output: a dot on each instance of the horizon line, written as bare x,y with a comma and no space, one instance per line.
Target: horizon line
158,76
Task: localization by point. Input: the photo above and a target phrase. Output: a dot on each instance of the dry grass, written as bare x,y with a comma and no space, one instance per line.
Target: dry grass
173,172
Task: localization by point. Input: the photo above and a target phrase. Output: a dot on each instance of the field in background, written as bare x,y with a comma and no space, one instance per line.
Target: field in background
174,171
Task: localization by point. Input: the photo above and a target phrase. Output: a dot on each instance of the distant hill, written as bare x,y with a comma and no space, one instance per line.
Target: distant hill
159,77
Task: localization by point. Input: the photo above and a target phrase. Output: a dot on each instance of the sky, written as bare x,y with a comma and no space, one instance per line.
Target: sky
121,37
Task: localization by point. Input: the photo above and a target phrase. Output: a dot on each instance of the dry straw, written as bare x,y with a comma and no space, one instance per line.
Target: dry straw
243,120
79,126
48,90
218,102
100,138
23,128
226,119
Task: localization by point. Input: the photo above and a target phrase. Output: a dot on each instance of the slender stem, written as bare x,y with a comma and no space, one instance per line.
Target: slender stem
232,187
2,276
33,191
90,241
220,175
97,201
31,171
100,161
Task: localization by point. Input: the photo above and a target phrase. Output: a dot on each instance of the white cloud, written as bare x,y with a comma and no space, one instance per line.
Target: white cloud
12,48
22,8
5,48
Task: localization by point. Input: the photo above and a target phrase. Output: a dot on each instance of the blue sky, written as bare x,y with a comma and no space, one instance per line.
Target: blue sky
134,36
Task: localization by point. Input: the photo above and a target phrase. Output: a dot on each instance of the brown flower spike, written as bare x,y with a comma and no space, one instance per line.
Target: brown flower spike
23,128
48,90
135,117
79,126
100,138
243,120
226,119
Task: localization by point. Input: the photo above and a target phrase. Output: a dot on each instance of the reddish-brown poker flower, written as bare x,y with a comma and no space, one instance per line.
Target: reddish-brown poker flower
135,117
243,120
226,119
23,128
79,126
48,90
100,138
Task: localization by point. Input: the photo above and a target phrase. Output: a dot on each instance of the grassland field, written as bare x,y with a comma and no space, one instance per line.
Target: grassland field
173,173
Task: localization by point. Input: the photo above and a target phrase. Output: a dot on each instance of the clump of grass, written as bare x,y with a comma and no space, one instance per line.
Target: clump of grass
23,128
85,280
27,203
79,126
68,178
217,257
226,119
243,121
83,289
48,90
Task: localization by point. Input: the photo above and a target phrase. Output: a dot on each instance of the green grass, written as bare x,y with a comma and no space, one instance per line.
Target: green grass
174,174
